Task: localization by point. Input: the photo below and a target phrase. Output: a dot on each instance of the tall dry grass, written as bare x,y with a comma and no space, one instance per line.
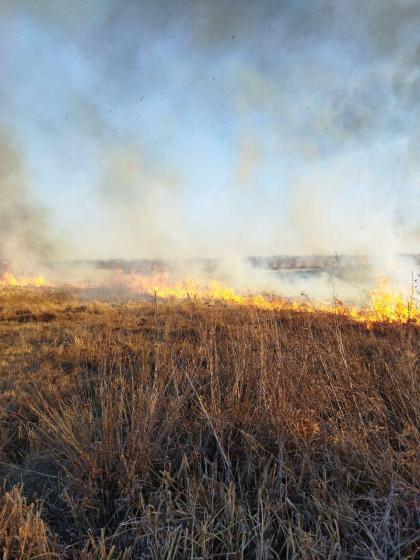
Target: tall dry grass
188,431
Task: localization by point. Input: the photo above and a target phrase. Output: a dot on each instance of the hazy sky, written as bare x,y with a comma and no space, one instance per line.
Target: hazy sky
152,128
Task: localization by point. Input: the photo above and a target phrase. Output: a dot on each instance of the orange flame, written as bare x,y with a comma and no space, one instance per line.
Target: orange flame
385,304
9,279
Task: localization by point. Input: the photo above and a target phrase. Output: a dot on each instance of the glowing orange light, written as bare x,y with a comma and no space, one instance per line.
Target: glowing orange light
9,279
385,304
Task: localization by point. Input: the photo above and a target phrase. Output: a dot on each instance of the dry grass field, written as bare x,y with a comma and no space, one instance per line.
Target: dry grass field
183,430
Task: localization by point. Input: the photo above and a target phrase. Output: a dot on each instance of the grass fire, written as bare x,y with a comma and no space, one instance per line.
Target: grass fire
385,304
209,280
194,421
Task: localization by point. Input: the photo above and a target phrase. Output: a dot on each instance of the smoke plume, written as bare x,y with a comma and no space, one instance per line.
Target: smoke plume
213,128
25,242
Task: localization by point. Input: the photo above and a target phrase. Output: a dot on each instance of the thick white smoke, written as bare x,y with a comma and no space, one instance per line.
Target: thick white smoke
213,129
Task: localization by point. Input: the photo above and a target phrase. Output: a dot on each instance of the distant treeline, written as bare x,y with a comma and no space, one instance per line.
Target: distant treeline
275,262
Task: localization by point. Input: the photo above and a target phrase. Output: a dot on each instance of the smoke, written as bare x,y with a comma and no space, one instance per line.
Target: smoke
25,243
216,128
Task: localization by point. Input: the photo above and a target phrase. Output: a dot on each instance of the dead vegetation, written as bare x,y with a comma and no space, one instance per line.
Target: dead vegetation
185,431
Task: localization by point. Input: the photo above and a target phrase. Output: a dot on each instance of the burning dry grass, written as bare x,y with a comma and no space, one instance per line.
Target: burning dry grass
388,303
181,430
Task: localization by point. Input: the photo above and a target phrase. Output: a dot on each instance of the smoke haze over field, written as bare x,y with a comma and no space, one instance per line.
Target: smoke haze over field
216,128
24,239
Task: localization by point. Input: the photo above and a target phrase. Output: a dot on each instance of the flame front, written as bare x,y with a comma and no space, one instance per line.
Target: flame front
385,304
9,279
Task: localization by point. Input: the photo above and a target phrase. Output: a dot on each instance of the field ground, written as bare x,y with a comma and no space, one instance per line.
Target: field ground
182,430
